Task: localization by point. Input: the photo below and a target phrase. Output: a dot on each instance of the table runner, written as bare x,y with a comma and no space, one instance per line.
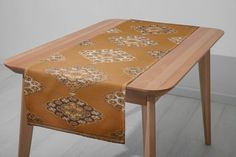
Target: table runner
81,89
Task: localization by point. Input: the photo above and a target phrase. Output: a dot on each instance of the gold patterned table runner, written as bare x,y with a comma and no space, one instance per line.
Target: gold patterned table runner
81,89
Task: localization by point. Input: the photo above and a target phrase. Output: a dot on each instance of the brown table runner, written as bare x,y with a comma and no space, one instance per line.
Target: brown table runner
81,89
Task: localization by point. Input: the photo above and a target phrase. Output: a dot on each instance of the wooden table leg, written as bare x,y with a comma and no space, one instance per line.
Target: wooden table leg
149,127
204,73
144,118
26,132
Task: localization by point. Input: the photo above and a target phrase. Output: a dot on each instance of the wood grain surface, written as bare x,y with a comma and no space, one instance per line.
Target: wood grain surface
157,80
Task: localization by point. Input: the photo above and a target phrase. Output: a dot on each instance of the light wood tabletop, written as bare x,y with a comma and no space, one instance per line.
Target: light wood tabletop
148,87
159,79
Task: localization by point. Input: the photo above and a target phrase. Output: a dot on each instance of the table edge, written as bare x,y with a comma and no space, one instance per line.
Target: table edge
162,85
205,39
11,62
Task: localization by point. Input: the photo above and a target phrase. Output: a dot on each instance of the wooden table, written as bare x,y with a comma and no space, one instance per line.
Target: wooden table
144,90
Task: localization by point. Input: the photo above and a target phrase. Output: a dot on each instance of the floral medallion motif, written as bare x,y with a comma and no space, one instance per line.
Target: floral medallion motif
30,85
107,55
86,43
138,41
116,99
74,111
32,118
118,135
114,30
134,71
77,77
83,86
177,40
157,54
154,29
55,58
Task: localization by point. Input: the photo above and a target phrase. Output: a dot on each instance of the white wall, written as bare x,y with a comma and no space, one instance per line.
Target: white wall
223,77
25,24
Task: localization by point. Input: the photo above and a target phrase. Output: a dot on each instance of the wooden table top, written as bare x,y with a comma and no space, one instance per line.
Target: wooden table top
160,78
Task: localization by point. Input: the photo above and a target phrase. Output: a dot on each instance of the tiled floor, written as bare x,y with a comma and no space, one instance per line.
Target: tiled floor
179,129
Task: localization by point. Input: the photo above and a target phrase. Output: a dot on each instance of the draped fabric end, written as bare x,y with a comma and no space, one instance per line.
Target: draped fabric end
81,89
